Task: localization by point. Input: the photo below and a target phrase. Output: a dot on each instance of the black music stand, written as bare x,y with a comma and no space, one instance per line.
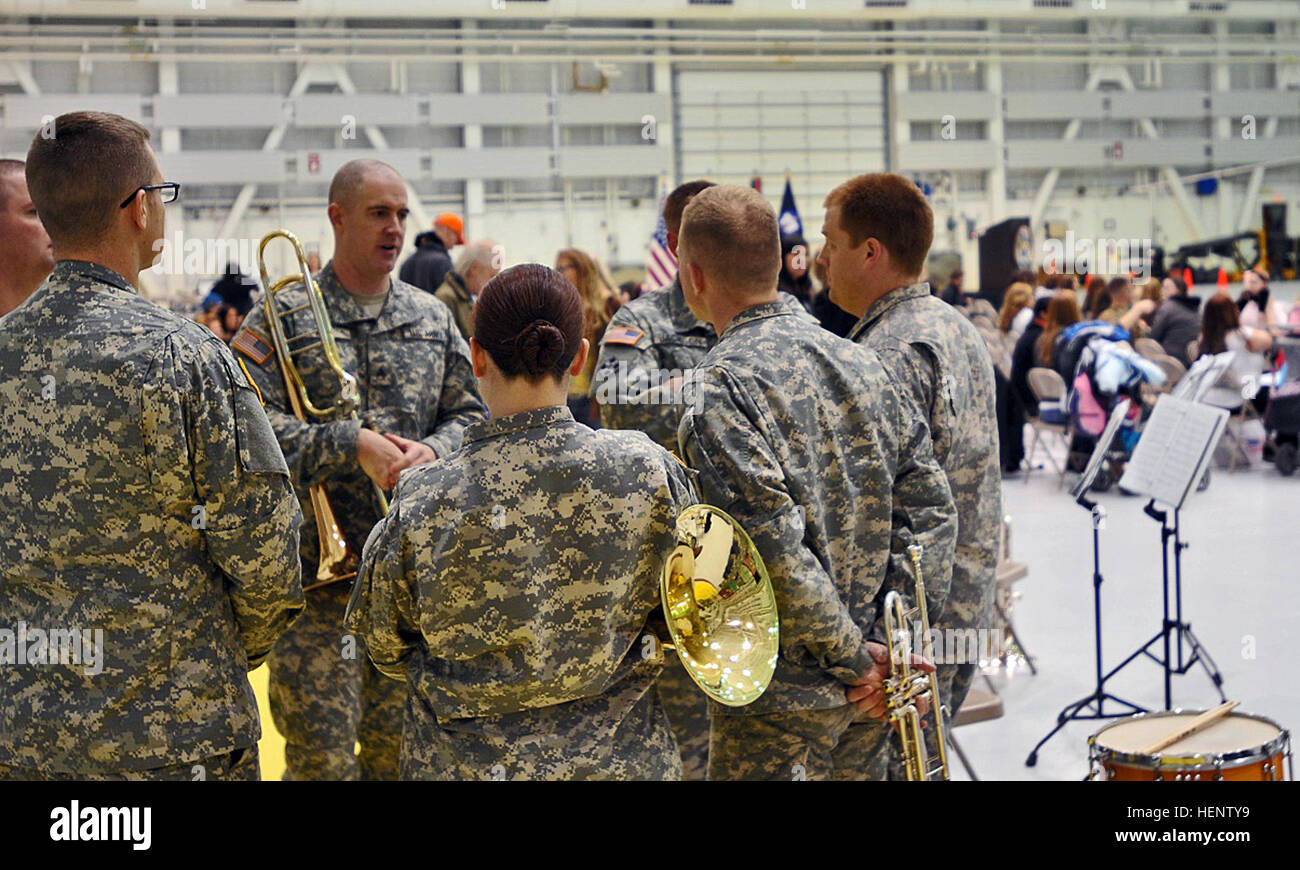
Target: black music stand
1183,437
1099,696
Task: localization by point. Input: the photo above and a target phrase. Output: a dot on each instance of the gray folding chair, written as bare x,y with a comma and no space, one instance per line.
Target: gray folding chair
1047,385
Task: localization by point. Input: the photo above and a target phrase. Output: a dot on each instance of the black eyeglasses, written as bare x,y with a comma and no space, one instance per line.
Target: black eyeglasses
170,191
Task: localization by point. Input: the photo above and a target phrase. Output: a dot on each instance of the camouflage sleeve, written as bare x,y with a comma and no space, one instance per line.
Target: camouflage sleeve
626,384
459,403
381,610
739,472
915,373
923,510
250,513
314,452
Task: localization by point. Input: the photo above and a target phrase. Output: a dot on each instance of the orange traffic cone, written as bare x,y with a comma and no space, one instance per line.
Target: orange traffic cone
1223,278
1187,279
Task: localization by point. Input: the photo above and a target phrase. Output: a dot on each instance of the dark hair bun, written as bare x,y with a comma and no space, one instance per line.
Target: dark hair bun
540,346
529,319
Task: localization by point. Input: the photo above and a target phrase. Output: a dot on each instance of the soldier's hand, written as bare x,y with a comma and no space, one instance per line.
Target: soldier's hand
413,452
868,693
379,458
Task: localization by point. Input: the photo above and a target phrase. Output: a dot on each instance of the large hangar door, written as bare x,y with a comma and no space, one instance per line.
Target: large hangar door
823,127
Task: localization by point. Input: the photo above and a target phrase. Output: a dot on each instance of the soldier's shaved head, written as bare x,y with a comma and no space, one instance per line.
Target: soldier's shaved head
352,176
730,232
79,172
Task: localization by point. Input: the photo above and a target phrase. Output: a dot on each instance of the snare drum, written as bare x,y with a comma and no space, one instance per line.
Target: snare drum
1237,747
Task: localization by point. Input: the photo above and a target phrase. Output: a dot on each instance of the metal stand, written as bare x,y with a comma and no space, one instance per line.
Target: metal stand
1175,630
1015,638
1096,700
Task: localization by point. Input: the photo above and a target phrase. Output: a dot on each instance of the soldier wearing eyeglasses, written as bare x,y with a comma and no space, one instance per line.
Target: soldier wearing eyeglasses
149,556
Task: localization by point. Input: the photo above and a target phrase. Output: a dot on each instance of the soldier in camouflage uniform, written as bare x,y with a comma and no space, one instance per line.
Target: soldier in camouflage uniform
878,229
147,507
511,584
417,390
648,350
810,445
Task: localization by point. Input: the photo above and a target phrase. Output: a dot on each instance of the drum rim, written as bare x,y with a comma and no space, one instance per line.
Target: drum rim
1238,758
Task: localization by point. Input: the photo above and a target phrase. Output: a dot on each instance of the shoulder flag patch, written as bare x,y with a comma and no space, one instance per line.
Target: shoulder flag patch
623,335
253,346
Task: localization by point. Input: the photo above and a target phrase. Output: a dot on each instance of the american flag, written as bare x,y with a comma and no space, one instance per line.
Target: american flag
660,264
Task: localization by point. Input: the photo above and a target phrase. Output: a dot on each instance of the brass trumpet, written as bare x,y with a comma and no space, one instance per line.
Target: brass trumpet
721,611
905,688
338,559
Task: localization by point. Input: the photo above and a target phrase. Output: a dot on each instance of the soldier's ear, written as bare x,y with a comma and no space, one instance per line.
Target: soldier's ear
580,359
477,358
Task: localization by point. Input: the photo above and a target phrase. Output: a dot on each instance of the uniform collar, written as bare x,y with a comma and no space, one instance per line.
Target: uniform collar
761,311
398,310
680,313
104,275
885,303
538,418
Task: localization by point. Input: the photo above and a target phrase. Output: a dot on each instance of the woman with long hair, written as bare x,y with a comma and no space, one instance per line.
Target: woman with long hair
1018,298
1062,311
599,302
1092,305
1222,331
795,278
513,583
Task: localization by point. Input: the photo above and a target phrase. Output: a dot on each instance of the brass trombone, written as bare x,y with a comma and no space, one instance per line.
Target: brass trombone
338,559
905,688
721,611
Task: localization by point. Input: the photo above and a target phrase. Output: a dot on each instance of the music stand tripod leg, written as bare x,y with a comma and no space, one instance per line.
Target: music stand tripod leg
1029,660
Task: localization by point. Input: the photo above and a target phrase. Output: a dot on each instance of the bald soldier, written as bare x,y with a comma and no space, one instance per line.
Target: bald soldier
805,439
418,395
878,232
149,555
26,254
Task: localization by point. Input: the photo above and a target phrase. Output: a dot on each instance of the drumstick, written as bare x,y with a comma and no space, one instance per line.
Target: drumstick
1202,721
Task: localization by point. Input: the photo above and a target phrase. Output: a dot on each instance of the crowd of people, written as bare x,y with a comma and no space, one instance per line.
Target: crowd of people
1037,312
434,614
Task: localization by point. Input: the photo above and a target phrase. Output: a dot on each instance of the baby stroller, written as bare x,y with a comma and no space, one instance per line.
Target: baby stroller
1106,370
1282,418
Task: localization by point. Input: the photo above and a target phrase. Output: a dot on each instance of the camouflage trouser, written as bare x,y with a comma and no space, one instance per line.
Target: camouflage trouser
572,741
241,765
812,745
688,711
326,696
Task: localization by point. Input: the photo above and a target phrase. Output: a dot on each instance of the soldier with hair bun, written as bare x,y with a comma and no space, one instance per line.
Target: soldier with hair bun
512,583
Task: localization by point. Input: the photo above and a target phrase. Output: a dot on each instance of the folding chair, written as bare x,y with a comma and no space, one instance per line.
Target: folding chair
1241,411
1149,348
1047,385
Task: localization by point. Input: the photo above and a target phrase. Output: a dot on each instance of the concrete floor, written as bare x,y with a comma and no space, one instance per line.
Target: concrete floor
1241,594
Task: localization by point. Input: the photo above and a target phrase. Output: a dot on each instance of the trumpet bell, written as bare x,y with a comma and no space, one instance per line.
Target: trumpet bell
720,607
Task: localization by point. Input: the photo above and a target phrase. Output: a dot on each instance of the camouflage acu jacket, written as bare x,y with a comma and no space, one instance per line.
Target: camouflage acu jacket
149,548
415,379
511,584
650,341
939,359
808,443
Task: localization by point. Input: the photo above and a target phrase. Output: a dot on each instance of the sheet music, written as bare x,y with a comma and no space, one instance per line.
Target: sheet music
1176,446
